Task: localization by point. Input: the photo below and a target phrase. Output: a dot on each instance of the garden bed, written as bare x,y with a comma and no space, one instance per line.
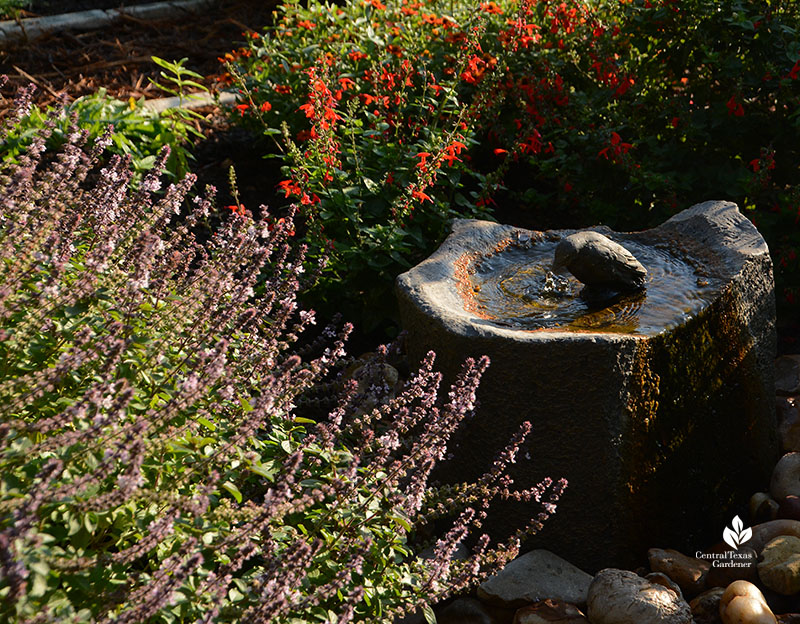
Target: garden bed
57,7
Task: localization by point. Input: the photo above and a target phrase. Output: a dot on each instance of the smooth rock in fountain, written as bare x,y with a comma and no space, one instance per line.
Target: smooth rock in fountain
743,603
550,612
786,477
536,576
779,565
623,597
688,572
625,411
599,262
787,375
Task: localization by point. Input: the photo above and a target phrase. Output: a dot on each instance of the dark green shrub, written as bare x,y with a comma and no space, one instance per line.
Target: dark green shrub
393,117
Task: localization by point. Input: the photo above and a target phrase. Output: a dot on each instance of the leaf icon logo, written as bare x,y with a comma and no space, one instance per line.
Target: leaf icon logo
738,535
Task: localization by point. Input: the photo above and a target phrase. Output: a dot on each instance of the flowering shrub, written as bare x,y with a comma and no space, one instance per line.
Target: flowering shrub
157,459
393,116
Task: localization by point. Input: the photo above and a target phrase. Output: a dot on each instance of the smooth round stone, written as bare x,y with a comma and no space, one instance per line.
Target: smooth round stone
705,606
762,507
767,531
786,477
534,576
743,603
789,508
599,262
623,597
779,568
688,572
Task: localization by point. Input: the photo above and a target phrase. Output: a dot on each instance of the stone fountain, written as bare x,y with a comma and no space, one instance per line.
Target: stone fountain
656,405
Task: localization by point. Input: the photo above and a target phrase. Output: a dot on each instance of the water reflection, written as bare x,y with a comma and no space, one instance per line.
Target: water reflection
515,288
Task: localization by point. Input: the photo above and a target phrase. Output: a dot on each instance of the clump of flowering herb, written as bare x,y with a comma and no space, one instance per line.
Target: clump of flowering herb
156,464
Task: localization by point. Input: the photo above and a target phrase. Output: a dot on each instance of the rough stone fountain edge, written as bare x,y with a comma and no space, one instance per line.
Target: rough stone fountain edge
591,377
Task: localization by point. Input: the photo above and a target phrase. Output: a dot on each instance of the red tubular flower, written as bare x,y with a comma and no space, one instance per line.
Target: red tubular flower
423,162
421,196
734,107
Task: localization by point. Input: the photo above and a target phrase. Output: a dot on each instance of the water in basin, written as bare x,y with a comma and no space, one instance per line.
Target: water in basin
514,287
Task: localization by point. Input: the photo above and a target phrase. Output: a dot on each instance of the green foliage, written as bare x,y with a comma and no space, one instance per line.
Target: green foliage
175,81
572,113
154,463
10,8
139,133
368,119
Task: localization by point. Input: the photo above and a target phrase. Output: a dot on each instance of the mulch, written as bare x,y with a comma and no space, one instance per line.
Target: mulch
119,57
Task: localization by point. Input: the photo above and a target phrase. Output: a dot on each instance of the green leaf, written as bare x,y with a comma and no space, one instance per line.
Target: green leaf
234,491
430,616
206,423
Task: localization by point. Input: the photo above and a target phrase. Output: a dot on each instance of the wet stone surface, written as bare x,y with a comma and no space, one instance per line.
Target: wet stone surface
516,288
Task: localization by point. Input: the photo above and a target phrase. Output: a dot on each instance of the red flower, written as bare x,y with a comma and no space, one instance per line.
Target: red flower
265,107
421,196
734,108
242,108
237,209
423,160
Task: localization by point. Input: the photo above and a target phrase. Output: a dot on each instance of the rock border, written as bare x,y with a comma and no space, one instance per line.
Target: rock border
12,31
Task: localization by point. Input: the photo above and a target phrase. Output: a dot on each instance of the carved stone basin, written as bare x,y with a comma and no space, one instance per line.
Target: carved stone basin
657,407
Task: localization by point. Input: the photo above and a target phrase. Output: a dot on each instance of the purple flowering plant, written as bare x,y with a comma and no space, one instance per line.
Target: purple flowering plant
163,456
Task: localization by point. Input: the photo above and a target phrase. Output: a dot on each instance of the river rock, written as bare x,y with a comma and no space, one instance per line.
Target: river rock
659,578
550,612
688,572
767,531
789,508
762,508
743,603
787,409
623,597
536,576
786,477
614,412
787,375
779,568
705,606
